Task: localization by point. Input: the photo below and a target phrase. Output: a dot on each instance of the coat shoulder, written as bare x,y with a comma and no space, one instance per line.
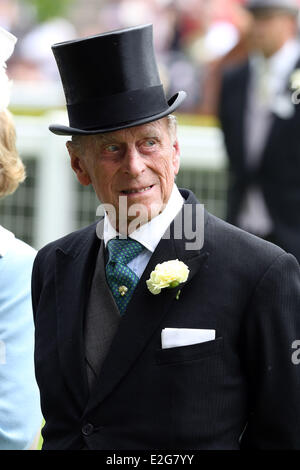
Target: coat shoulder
235,246
70,243
235,73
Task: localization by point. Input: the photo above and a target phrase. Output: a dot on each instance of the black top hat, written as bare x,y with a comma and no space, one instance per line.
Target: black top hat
111,82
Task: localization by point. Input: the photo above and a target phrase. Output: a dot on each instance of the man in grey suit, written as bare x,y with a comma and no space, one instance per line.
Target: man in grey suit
160,326
261,122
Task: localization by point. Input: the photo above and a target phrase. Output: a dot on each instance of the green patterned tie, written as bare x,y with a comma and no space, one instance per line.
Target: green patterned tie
121,279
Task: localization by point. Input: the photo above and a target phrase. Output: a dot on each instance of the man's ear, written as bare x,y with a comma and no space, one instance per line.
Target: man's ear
176,156
78,165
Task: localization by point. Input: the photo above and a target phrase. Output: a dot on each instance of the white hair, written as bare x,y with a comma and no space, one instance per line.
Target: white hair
172,126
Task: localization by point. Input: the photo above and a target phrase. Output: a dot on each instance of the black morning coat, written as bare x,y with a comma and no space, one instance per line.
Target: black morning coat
240,390
278,175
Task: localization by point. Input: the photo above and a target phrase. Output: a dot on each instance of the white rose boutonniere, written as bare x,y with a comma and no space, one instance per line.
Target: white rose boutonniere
167,275
295,80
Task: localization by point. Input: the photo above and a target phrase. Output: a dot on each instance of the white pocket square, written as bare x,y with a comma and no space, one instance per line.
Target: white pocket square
173,337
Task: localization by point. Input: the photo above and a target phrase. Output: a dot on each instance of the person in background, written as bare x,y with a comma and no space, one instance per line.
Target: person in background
20,414
261,125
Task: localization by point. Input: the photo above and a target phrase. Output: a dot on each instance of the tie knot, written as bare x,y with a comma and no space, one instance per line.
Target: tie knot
123,250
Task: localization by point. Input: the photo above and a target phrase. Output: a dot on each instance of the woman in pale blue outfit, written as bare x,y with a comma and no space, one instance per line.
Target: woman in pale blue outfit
20,415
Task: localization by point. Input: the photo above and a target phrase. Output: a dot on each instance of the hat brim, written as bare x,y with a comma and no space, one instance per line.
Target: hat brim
173,103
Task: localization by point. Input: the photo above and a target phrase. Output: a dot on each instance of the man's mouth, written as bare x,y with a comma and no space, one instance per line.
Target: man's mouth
137,190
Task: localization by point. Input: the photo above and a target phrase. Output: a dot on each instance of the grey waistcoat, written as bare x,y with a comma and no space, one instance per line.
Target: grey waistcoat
101,320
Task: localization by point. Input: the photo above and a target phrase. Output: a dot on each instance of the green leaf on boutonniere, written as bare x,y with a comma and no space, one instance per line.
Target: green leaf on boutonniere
177,295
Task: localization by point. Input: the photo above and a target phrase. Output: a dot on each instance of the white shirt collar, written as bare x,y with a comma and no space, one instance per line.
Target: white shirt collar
150,234
6,237
281,63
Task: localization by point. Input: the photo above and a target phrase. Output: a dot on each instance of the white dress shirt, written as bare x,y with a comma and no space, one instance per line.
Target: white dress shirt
266,95
148,234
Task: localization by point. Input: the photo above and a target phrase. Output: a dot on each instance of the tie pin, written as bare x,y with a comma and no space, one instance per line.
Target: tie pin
123,290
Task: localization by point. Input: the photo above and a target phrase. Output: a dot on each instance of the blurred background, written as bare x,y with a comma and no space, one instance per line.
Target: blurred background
194,41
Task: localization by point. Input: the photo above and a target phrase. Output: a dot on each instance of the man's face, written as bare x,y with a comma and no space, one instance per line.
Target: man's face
138,164
270,30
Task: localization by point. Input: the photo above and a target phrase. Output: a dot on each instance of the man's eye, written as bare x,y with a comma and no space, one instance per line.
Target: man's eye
112,148
150,142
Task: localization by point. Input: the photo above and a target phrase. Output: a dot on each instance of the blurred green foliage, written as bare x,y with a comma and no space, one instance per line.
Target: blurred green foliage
46,9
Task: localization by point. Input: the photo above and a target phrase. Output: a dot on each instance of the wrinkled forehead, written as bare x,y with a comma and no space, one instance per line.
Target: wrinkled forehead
154,128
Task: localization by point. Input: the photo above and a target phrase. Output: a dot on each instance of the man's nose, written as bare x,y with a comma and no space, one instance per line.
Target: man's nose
133,162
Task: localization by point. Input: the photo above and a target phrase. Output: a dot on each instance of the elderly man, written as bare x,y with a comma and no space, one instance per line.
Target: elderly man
147,335
260,121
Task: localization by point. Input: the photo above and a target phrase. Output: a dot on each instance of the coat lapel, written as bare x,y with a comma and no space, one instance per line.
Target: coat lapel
74,270
276,125
144,314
